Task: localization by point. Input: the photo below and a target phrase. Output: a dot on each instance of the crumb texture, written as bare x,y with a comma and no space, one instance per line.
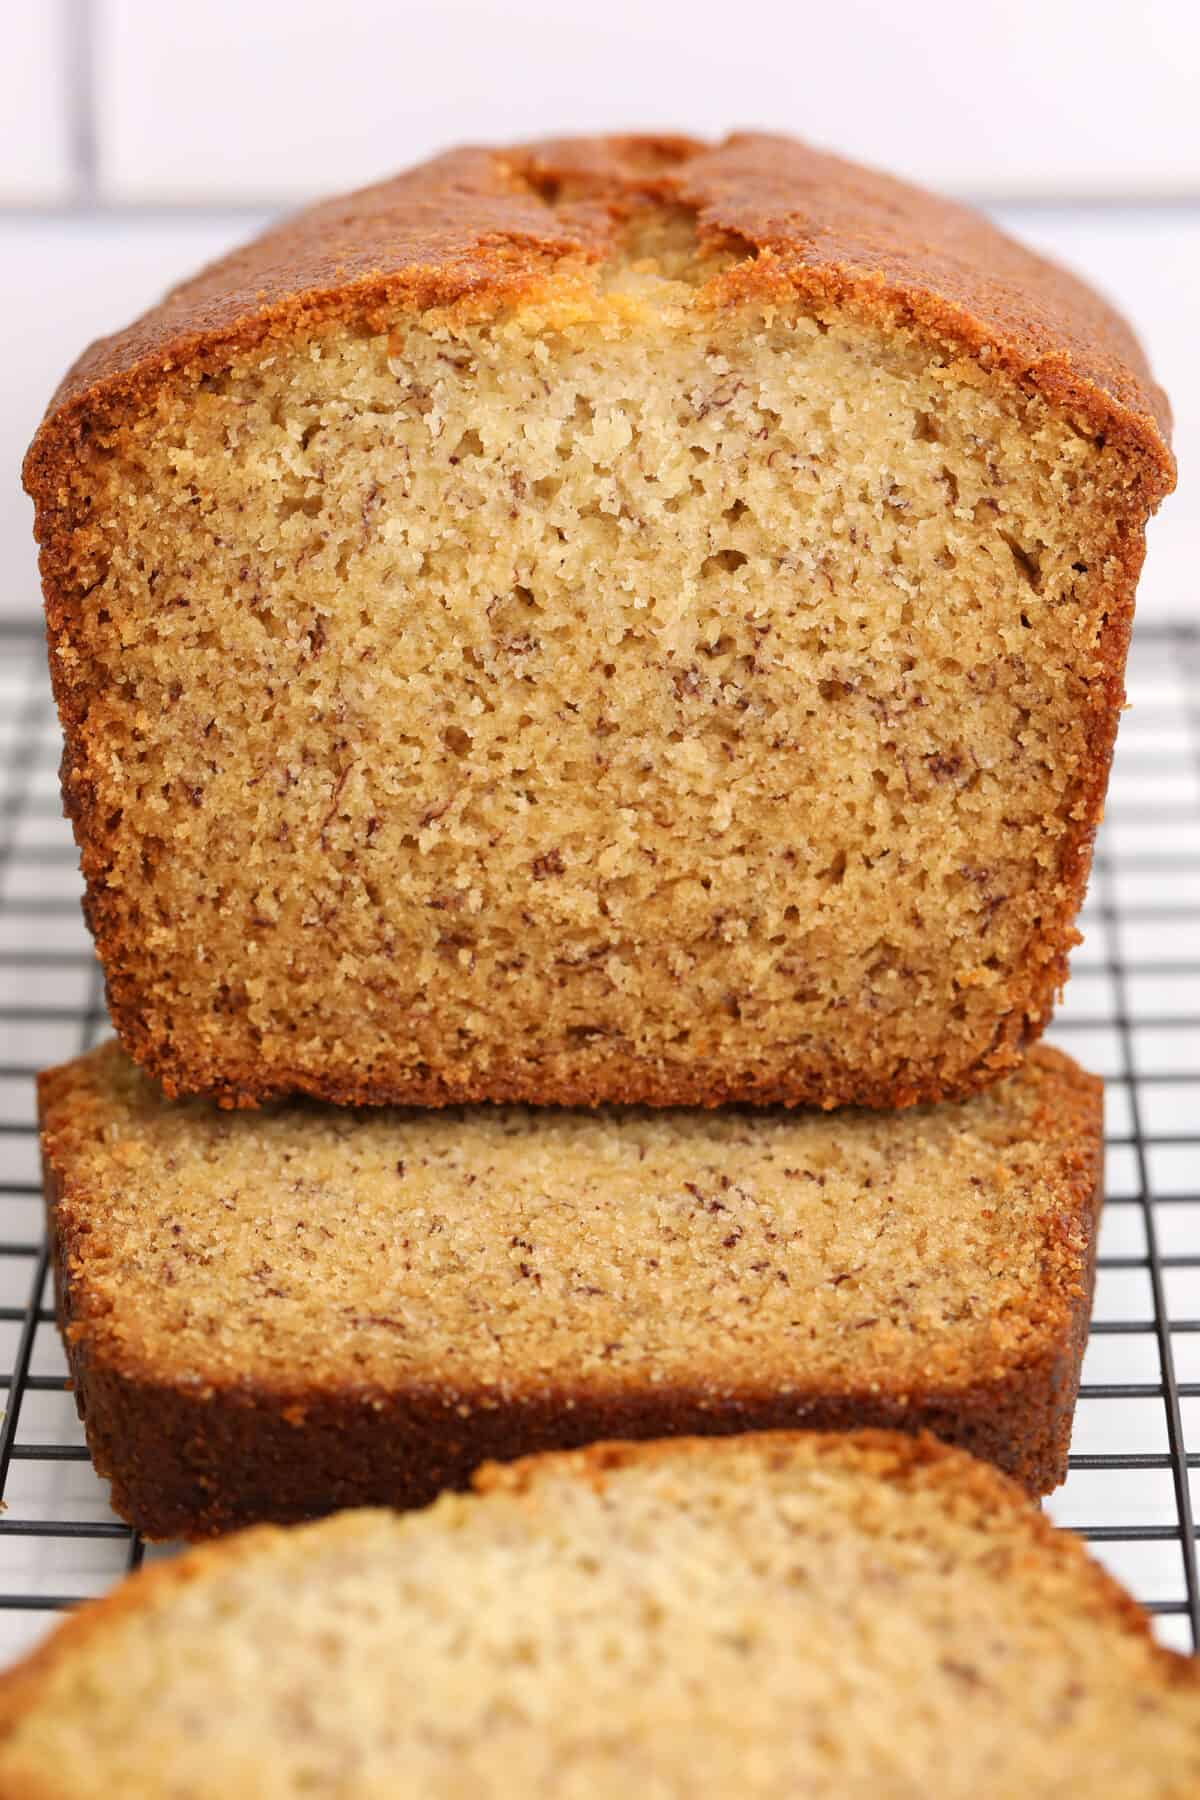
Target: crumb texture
502,1250
656,684
832,1616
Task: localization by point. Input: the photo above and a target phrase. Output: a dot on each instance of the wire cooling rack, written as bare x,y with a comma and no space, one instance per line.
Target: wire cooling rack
1132,1014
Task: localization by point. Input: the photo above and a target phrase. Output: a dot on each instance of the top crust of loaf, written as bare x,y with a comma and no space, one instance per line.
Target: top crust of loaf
481,225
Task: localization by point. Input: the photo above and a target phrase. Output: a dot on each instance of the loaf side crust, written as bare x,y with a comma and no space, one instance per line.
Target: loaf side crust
199,1456
476,223
479,229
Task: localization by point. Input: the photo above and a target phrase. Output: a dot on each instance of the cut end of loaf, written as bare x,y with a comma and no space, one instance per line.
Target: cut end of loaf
666,685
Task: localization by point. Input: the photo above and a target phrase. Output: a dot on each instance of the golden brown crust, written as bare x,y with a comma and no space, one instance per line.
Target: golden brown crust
477,227
194,1457
476,221
197,1465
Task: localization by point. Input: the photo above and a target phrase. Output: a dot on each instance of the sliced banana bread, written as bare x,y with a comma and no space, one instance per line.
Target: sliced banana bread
269,1315
609,620
844,1617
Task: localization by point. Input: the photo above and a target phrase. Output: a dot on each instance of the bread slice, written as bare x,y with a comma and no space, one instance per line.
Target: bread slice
612,620
841,1616
274,1314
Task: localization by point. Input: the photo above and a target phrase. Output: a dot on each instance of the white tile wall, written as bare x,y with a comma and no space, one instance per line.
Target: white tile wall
288,97
35,150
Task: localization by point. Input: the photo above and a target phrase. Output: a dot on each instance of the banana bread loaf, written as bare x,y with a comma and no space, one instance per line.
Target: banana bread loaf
840,1617
618,619
268,1315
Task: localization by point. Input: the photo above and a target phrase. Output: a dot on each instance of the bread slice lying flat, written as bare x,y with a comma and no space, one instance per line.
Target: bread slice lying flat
840,1616
621,619
269,1315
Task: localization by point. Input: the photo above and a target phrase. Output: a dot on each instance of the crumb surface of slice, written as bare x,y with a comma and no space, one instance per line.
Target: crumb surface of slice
786,1613
303,1306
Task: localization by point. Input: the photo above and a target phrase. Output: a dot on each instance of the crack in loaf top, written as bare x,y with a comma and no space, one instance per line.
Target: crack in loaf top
486,224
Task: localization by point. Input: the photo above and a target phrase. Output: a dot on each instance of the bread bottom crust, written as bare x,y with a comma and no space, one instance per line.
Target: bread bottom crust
195,1466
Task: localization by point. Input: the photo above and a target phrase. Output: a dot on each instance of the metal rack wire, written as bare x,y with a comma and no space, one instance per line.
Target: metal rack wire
1132,1014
